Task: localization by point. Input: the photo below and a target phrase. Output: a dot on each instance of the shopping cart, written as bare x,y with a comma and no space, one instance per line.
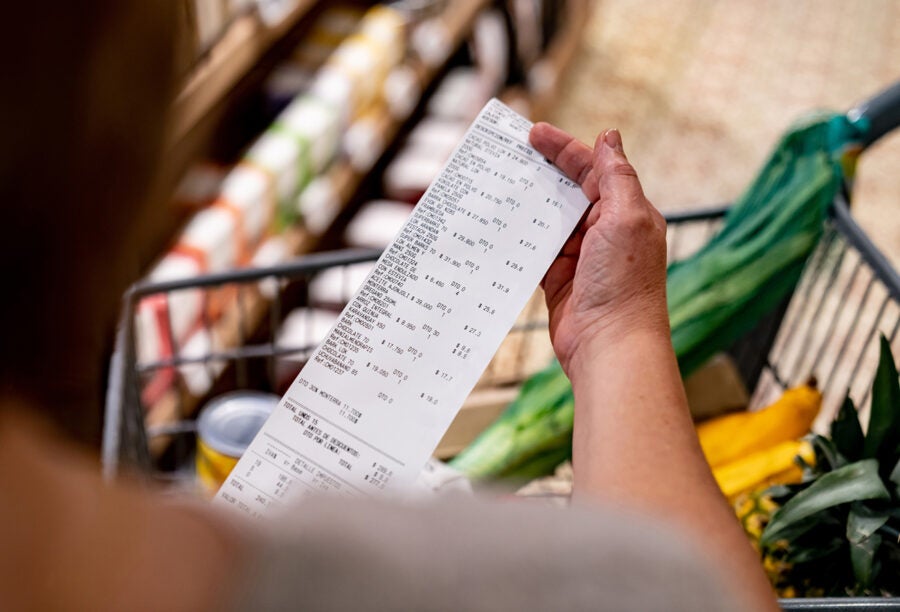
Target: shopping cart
153,432
848,291
828,327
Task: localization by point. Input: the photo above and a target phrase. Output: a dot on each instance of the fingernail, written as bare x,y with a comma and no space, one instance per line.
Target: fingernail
613,140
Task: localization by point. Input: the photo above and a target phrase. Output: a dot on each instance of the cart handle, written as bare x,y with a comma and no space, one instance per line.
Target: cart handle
882,112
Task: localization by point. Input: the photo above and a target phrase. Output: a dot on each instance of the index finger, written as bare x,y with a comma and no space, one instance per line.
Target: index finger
567,153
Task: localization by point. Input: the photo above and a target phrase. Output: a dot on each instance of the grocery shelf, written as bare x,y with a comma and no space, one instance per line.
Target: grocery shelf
454,24
246,314
234,55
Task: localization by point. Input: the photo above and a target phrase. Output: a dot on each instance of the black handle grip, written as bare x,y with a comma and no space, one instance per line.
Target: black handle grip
882,111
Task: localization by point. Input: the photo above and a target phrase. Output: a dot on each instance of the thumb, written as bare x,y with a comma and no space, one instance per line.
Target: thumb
617,178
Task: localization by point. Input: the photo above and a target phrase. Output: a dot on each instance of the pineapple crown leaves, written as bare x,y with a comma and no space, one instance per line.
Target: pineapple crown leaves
855,484
883,434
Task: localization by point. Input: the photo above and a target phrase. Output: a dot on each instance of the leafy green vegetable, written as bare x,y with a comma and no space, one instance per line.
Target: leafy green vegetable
862,557
838,523
846,432
827,455
862,522
895,474
853,482
884,425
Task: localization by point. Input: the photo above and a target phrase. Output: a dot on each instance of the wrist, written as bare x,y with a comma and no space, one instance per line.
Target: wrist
605,345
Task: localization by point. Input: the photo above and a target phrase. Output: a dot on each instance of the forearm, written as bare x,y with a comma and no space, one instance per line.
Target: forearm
635,444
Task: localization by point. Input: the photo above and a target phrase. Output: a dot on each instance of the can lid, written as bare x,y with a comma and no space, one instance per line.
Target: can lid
229,423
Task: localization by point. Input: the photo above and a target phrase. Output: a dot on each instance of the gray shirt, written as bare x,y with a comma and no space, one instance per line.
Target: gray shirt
470,554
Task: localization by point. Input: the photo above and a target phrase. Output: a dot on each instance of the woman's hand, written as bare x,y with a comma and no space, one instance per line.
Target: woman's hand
634,441
609,278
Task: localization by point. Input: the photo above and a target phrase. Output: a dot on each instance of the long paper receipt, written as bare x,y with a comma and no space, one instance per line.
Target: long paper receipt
375,398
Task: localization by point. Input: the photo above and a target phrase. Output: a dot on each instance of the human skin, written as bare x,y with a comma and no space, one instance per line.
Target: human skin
634,442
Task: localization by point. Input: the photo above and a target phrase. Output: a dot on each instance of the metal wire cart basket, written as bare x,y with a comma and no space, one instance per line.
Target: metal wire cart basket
846,295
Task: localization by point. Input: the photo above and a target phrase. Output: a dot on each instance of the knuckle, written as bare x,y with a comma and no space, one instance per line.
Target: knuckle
621,168
584,174
639,221
570,160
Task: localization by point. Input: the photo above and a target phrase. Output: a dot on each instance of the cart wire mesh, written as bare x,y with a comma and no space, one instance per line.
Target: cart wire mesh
847,294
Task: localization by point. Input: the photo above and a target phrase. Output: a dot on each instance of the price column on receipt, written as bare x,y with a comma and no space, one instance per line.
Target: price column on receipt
370,406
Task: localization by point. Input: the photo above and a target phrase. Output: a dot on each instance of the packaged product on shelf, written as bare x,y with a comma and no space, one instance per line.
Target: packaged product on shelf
353,76
249,189
377,223
225,428
273,250
333,287
215,239
431,42
365,139
319,204
274,12
201,372
315,124
335,89
283,157
435,136
295,75
199,186
212,239
385,26
166,319
360,63
165,323
300,332
402,91
461,94
427,148
410,173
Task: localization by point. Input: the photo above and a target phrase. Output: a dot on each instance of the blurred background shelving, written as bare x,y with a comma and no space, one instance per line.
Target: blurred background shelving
699,89
297,117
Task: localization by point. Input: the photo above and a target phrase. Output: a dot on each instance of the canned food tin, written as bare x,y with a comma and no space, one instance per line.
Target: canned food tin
225,428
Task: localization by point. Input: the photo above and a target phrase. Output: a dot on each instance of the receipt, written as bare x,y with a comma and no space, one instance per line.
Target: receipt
375,398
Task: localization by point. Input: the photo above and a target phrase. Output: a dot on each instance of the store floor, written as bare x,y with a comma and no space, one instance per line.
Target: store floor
702,89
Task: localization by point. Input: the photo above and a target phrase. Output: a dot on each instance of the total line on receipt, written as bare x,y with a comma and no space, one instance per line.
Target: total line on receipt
377,395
